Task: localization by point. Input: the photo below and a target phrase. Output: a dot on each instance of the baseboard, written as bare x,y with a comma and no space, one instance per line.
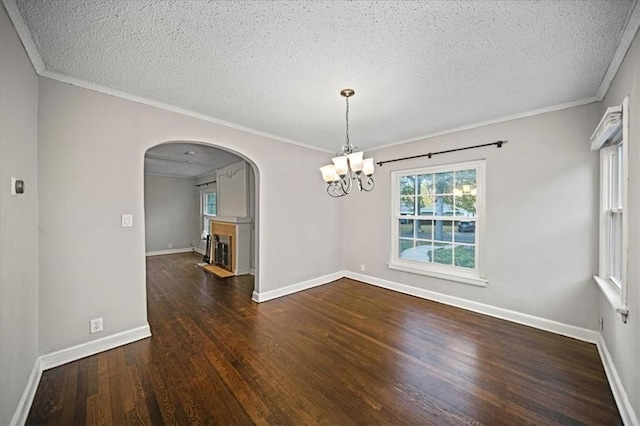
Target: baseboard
294,288
198,250
619,394
556,327
82,350
24,405
171,251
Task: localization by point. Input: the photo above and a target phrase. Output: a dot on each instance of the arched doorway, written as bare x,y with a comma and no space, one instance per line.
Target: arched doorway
190,185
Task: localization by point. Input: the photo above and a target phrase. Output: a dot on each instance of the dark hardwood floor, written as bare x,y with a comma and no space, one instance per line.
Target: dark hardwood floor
343,353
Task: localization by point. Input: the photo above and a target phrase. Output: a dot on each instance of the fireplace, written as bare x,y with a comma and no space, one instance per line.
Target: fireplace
230,244
222,253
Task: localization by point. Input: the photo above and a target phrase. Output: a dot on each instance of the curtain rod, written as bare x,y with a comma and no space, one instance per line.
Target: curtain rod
206,183
497,143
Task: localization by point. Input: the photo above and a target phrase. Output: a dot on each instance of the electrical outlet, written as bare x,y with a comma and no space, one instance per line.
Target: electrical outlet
96,325
362,268
170,245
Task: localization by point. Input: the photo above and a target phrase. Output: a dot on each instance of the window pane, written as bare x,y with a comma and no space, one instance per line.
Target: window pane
407,206
405,249
443,205
406,228
425,184
443,230
619,178
425,229
426,205
408,185
465,231
465,256
444,183
210,203
611,186
465,181
422,250
465,205
442,253
616,246
447,206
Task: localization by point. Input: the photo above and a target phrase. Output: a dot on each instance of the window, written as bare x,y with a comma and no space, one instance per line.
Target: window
612,272
614,210
209,209
437,222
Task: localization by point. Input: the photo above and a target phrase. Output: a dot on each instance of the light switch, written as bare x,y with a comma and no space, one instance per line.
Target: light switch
127,220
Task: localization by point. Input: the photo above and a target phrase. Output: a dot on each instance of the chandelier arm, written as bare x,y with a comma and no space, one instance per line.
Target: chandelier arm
334,190
346,183
366,183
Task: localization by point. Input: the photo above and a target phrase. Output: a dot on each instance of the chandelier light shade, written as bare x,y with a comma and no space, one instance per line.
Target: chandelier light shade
348,166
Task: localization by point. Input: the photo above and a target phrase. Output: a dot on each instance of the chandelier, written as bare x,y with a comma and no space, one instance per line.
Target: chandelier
349,166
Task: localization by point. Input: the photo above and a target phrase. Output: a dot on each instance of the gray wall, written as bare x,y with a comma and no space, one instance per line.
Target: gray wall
541,216
172,212
18,220
623,340
92,147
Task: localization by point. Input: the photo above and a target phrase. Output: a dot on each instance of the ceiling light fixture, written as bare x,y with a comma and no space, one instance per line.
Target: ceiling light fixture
349,165
189,153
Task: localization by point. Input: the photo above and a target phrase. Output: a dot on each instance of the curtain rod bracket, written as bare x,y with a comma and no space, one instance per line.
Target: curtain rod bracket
624,313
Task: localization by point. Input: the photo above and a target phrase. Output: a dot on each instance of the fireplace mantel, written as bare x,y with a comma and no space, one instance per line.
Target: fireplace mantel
232,219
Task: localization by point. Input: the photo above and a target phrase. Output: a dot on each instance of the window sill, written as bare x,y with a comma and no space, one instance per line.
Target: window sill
445,275
612,293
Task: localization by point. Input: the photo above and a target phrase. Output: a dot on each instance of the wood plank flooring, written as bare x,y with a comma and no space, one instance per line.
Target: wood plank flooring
344,353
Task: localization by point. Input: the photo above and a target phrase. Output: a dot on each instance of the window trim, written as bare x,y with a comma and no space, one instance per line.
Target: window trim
615,291
477,276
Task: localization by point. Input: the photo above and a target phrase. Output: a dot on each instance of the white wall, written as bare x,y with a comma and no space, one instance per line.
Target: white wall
91,171
623,340
233,190
541,216
18,220
171,212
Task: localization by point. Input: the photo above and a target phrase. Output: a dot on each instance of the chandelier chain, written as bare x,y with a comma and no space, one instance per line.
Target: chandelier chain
347,120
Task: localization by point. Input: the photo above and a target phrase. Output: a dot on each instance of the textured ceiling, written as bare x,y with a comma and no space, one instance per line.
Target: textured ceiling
186,160
276,67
